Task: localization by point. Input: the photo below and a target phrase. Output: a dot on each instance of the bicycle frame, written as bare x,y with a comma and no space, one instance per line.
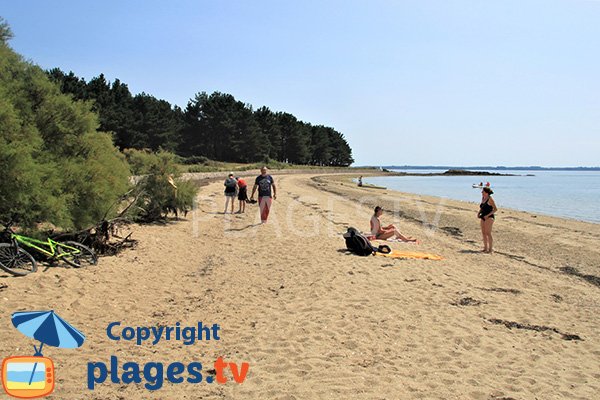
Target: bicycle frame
50,245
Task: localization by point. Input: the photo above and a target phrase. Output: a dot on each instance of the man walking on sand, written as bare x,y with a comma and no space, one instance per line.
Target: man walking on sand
264,182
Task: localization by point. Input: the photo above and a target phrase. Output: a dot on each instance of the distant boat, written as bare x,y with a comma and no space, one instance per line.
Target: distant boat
370,186
481,185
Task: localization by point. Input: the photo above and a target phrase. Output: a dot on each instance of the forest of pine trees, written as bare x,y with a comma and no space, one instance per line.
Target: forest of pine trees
215,126
63,142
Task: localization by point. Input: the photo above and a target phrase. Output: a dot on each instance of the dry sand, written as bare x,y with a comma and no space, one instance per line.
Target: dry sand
317,323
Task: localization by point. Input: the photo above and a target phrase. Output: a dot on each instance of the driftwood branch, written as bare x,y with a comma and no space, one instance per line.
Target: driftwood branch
105,237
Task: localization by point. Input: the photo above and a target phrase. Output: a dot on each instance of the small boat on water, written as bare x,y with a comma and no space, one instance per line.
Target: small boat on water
369,186
481,185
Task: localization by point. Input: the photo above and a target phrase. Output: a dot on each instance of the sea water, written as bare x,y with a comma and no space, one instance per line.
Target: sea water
570,194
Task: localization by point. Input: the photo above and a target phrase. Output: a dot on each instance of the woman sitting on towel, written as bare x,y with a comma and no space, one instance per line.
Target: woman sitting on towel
386,232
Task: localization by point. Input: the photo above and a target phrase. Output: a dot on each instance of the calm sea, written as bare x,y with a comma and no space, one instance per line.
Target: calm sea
570,194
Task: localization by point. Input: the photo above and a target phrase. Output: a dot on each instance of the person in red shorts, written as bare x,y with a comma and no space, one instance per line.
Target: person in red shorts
267,191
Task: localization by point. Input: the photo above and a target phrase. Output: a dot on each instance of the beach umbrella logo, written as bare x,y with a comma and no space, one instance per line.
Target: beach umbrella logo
29,377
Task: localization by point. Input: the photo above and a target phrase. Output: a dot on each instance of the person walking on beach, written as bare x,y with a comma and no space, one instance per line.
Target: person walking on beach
487,208
230,192
242,194
386,232
267,191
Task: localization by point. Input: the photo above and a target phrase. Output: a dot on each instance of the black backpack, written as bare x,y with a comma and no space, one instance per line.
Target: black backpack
357,243
230,183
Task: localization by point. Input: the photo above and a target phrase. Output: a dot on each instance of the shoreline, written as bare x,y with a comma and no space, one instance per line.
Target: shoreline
536,213
457,218
519,323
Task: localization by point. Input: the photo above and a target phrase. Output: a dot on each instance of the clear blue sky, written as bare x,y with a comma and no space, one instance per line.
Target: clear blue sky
511,82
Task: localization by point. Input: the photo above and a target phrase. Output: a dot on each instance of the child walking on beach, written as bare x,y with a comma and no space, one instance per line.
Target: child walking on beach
242,194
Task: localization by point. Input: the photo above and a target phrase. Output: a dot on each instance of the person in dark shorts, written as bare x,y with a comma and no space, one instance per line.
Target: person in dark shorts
487,208
230,192
267,191
242,194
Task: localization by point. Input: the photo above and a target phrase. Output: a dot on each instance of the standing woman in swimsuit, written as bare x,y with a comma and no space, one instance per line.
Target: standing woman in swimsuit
487,208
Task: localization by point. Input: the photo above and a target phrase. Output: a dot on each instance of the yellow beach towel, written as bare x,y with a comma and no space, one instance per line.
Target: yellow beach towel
411,254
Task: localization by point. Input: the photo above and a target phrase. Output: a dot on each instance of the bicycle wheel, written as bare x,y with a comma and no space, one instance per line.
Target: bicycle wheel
15,260
83,257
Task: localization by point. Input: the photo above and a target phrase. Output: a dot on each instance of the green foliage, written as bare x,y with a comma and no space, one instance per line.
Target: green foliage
140,161
143,161
156,195
186,194
215,126
195,160
217,166
154,124
5,31
269,126
100,178
55,166
140,121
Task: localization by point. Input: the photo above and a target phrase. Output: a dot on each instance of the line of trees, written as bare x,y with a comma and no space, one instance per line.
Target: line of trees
215,126
60,138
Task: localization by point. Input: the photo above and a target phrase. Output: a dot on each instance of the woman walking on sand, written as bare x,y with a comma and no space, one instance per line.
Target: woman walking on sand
487,208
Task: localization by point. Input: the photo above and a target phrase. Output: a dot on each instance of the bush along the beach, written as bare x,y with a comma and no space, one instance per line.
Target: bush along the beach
160,192
143,161
56,167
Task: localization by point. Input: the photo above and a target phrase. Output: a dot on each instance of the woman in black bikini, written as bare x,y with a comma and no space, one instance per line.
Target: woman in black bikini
487,208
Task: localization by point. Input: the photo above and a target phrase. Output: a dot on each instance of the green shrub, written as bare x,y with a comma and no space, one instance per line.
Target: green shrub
55,166
186,193
202,168
195,160
140,161
100,179
156,195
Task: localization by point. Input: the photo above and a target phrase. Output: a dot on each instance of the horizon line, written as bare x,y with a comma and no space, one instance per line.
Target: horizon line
522,167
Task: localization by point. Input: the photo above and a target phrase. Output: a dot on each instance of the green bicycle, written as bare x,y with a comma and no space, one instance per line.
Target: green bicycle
17,261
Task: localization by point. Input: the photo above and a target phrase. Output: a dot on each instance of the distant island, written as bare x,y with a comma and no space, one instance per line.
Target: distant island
491,168
450,172
447,172
461,172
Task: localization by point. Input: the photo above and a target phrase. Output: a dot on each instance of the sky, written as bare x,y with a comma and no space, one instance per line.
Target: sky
422,82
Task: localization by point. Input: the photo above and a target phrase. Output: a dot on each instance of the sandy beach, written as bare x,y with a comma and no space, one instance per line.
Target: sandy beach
315,322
